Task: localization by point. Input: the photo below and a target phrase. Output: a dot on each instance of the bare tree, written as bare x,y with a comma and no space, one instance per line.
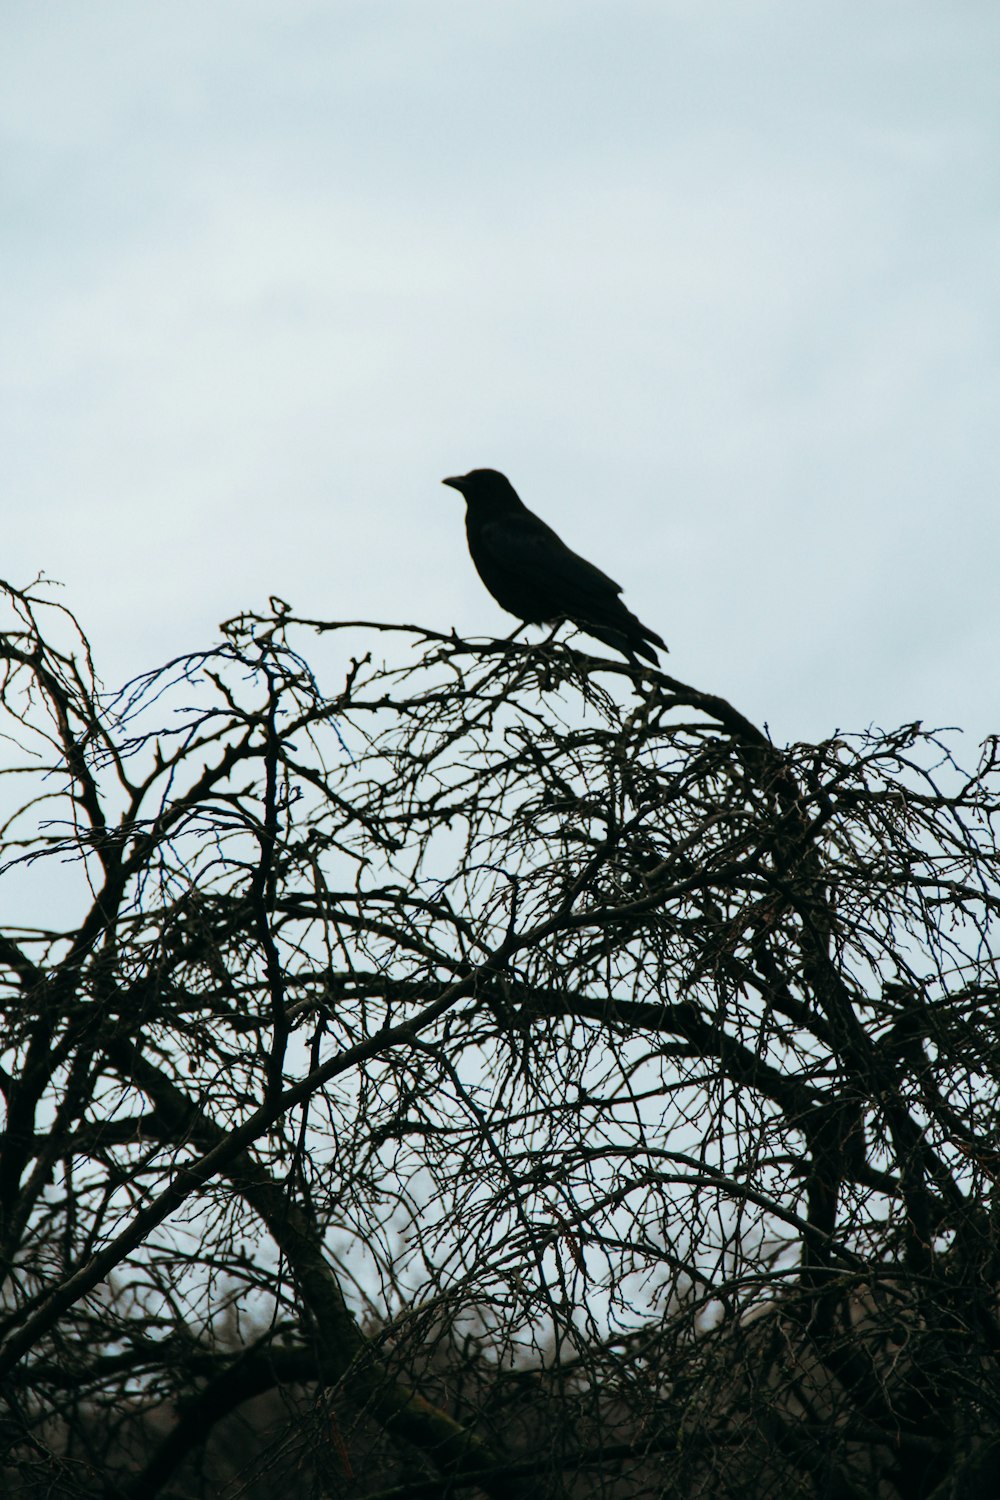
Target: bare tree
505,1073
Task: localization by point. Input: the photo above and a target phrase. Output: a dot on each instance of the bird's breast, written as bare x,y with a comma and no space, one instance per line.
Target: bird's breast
508,570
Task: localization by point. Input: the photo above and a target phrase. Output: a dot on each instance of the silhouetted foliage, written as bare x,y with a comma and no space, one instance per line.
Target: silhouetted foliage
502,1072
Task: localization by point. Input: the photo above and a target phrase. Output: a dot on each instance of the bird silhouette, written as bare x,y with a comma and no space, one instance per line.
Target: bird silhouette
532,574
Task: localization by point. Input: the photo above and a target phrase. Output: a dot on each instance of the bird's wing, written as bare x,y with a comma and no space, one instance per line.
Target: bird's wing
529,549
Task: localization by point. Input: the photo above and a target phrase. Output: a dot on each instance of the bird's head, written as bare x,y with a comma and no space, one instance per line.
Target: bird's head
486,489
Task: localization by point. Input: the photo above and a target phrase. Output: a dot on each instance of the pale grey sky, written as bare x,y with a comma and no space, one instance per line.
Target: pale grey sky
715,282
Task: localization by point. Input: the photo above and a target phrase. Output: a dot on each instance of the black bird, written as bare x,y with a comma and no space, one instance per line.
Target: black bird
531,572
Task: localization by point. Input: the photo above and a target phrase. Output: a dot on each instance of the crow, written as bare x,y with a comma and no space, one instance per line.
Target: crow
532,574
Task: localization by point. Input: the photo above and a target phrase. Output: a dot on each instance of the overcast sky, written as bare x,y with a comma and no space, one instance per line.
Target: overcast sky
715,283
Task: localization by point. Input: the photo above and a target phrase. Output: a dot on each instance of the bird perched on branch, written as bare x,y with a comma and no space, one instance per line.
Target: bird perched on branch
532,574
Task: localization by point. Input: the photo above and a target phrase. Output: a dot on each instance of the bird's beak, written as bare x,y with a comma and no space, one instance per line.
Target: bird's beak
455,482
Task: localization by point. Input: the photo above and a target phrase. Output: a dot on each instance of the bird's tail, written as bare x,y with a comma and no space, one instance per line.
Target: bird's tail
629,636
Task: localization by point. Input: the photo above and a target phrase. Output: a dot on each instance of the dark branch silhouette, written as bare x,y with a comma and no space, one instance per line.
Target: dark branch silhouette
496,1072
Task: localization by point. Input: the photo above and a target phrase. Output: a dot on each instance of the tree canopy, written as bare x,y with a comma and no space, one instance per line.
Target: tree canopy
503,1070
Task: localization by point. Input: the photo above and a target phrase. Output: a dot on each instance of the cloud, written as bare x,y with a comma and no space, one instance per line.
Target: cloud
727,276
